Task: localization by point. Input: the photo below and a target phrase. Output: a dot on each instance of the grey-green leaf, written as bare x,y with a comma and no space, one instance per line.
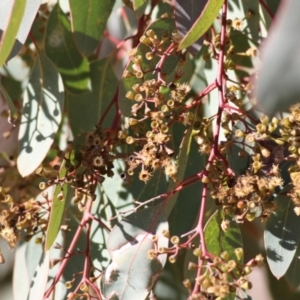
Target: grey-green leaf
131,274
281,238
42,114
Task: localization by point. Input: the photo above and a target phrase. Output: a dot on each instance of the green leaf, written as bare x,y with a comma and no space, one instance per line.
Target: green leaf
42,114
281,238
139,7
293,273
90,105
7,40
10,104
182,160
218,241
89,19
61,49
202,24
131,274
57,209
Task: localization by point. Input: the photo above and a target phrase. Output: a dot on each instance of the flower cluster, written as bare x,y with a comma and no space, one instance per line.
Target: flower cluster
157,105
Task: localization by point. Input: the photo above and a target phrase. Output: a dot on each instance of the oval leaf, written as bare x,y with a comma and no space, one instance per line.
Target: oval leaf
204,21
281,56
61,49
89,19
281,238
131,274
42,113
186,14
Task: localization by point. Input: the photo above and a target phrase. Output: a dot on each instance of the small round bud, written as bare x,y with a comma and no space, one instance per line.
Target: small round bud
42,185
129,140
172,259
175,240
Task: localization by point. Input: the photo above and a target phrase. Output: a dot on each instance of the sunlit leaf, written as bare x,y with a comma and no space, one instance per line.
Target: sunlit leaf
132,274
139,7
8,40
61,49
89,19
281,238
203,22
61,196
42,113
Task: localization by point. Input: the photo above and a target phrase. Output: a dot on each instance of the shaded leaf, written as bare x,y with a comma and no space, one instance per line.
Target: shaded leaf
281,238
203,22
293,273
10,104
89,19
42,113
90,105
240,163
280,55
154,186
132,274
61,49
13,87
186,13
182,160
